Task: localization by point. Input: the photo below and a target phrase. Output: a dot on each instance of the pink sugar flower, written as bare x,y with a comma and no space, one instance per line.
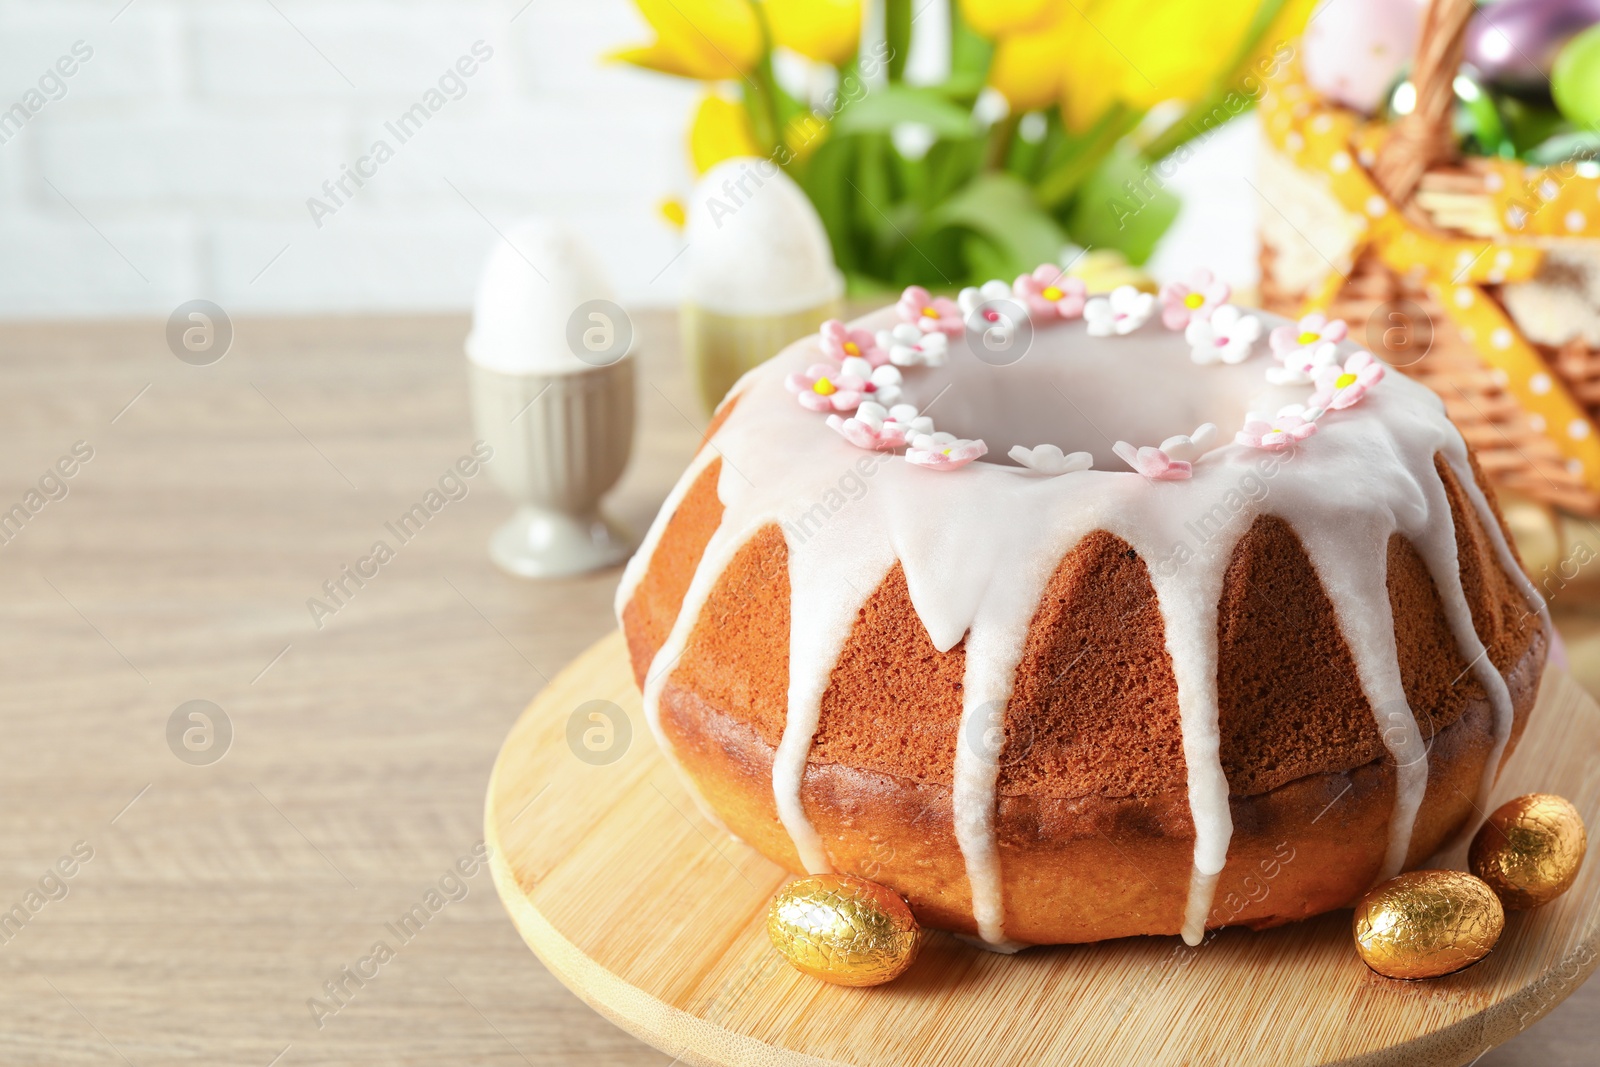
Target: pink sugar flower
880,429
1309,332
1277,434
943,451
1153,463
1339,388
930,314
841,342
826,387
1048,293
1194,301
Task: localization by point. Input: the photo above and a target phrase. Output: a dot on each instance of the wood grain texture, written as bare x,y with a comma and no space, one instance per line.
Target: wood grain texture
178,568
656,917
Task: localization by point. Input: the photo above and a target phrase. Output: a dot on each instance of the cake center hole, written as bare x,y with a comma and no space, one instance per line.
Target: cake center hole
1086,394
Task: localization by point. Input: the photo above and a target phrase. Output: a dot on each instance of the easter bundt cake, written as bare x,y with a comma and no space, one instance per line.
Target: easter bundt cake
975,600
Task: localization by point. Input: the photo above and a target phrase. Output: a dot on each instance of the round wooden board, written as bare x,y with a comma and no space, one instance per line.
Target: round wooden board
655,917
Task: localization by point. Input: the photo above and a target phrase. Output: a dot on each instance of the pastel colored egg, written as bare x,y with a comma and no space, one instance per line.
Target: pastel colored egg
1514,43
1575,78
1354,50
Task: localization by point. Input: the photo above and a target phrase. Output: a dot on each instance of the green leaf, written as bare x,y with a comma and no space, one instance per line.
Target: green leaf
961,87
824,181
1109,212
883,109
1000,209
1530,123
1575,144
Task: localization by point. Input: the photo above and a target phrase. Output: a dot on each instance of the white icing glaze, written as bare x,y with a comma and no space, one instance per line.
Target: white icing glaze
979,545
827,587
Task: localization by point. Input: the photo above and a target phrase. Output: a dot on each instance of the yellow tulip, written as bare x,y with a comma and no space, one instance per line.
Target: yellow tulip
1002,18
1175,48
721,130
1091,76
1147,53
1028,67
803,133
1285,30
825,30
706,39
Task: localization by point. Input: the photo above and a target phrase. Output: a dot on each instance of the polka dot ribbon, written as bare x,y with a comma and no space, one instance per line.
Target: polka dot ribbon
1339,146
1562,200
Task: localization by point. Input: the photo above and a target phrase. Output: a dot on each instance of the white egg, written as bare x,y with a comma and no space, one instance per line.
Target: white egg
534,282
1353,50
755,244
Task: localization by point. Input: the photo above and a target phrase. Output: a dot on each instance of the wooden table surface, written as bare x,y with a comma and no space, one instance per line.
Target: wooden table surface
221,895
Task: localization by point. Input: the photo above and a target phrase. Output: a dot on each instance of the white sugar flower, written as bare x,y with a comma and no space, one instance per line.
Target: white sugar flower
1300,365
972,298
943,451
1124,310
910,347
1228,335
882,383
878,428
1192,446
1048,459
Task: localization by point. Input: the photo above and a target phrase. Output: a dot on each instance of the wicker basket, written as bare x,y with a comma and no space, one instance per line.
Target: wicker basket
1470,275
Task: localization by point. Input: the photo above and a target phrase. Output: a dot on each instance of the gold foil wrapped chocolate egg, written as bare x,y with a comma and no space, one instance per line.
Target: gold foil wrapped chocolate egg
1530,850
843,929
1427,923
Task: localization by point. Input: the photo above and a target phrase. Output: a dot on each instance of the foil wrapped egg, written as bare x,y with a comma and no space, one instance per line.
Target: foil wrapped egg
843,929
1530,850
1425,924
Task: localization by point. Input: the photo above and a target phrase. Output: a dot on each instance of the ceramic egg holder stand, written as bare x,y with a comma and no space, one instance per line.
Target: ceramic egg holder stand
658,920
560,443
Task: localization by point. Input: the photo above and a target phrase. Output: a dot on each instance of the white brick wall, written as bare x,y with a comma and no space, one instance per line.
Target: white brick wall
179,161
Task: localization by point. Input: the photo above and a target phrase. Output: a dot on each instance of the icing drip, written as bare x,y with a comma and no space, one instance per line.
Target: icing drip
978,547
1437,543
994,648
1188,599
720,550
1456,456
1350,562
634,572
827,587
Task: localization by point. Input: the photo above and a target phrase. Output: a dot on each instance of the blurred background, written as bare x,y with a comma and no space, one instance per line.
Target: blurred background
178,160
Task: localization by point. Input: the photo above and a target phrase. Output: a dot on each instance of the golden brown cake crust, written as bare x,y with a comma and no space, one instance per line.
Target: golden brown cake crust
1093,825
1097,867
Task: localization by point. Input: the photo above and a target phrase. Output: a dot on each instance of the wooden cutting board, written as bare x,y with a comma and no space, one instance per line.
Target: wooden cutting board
656,918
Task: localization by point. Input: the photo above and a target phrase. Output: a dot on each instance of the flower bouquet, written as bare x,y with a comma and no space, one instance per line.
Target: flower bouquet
1043,123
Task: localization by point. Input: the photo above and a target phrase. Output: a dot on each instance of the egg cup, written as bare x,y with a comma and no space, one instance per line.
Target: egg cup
720,347
561,441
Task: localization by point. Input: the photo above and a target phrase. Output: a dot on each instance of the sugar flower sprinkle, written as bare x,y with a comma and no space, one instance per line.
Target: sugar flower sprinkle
1124,310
